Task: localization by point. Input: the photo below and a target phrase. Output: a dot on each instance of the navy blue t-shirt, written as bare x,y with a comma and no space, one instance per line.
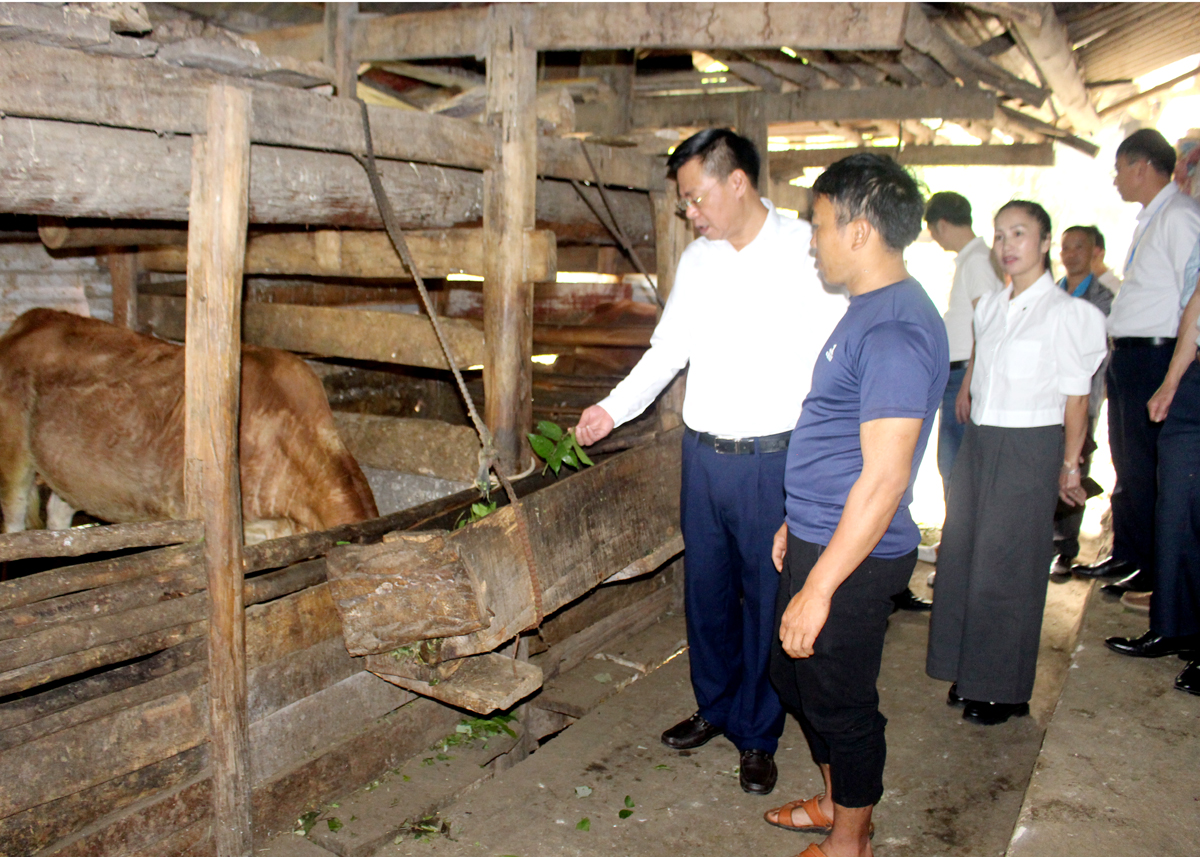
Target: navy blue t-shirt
887,357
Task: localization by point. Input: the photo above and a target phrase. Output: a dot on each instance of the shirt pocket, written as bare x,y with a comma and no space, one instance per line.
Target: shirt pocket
1022,357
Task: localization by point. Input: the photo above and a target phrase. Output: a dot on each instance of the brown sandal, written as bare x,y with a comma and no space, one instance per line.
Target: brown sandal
813,850
821,823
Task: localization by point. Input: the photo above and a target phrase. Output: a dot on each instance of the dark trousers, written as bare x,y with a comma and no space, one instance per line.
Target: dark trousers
1175,606
730,509
1067,518
950,430
833,693
1133,376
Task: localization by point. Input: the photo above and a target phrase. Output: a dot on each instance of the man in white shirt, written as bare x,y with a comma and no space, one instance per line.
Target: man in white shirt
1143,327
748,315
948,215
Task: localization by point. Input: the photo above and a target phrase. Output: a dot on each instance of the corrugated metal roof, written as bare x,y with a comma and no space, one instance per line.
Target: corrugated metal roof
1121,41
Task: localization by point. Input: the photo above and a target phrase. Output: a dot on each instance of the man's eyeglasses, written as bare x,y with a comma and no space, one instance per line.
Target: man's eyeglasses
681,207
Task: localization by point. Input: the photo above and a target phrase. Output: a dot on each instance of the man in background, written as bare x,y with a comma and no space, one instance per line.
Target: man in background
1080,247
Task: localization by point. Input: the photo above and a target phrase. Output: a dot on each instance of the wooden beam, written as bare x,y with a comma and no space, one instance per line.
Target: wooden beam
57,233
1007,117
123,274
154,97
427,447
75,170
1154,90
789,165
85,540
595,26
508,211
752,124
216,249
819,105
1051,50
350,254
339,36
383,337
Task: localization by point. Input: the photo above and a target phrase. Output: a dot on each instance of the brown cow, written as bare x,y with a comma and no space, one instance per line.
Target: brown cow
98,411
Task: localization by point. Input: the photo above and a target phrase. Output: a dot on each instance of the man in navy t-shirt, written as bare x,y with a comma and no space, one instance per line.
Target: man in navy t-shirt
849,543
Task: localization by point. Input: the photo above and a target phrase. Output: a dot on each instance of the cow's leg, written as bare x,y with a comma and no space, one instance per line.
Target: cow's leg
59,513
18,493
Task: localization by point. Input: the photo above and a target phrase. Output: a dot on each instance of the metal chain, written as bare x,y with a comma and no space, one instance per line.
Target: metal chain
488,460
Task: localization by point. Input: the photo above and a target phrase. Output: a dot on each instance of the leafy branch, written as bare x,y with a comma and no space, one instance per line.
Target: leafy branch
556,447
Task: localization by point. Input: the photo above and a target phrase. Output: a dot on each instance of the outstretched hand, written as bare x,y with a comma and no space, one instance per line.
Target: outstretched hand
594,424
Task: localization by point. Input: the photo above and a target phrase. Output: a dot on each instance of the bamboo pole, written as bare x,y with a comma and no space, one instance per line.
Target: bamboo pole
508,210
218,215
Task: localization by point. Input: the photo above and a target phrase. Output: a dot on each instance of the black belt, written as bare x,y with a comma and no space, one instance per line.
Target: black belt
744,445
955,365
1142,341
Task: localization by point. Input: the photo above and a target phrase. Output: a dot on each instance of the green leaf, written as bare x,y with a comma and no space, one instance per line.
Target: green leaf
625,813
570,459
584,824
544,447
550,430
580,453
629,802
662,767
334,824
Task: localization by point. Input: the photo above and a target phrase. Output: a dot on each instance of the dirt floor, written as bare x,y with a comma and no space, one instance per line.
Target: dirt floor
606,785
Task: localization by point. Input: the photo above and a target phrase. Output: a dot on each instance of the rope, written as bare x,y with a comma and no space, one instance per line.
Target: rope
611,224
488,460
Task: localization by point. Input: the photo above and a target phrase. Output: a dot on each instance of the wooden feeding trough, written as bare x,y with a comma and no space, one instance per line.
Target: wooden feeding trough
429,609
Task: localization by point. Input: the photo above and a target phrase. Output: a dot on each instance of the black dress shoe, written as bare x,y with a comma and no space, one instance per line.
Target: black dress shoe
993,713
757,772
1139,581
1189,680
1111,567
1152,645
907,600
691,733
952,697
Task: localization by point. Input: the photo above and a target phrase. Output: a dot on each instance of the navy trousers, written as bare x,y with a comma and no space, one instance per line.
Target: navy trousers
730,508
1175,607
1133,376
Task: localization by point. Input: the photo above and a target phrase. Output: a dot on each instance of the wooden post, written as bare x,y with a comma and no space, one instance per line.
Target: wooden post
508,211
339,36
217,217
752,124
123,270
671,235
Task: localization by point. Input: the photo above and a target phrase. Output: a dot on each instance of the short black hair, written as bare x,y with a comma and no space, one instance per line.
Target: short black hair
720,152
1150,146
1093,234
948,206
879,189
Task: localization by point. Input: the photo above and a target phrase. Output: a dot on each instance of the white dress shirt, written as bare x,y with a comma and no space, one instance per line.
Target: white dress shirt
750,325
974,277
1031,352
1148,303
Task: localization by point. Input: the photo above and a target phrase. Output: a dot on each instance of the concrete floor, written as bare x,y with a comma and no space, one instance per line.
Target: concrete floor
1111,746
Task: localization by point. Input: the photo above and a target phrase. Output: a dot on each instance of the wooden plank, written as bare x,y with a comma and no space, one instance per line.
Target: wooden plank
483,684
383,337
508,210
790,164
353,254
634,335
563,158
1052,52
427,447
123,274
80,541
297,675
153,97
582,26
339,35
57,233
217,223
74,170
819,105
284,739
31,830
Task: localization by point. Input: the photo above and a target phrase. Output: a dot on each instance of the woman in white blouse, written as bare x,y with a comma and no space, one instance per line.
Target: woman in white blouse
1036,348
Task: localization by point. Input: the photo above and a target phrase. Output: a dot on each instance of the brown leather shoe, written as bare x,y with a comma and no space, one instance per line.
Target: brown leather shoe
757,772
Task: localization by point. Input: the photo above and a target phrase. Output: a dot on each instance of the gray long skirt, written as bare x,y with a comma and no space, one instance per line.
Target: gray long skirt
994,560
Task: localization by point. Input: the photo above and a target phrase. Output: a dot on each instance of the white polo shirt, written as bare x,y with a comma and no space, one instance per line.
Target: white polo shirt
974,277
1031,352
1149,301
749,325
